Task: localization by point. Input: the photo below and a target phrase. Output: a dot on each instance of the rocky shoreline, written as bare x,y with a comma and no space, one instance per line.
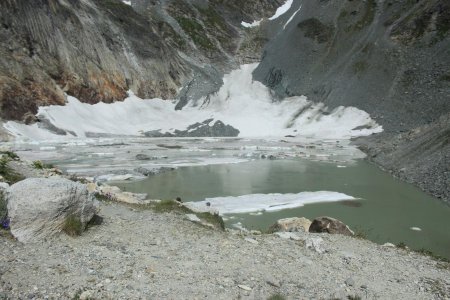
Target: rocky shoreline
139,254
144,251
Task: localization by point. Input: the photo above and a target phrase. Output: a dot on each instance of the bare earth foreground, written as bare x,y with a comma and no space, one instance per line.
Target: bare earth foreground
140,254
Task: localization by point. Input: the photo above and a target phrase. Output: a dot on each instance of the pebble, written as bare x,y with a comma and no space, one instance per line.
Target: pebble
252,241
86,295
244,287
350,282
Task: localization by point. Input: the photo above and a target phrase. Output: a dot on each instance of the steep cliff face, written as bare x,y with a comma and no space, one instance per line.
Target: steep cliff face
97,50
389,58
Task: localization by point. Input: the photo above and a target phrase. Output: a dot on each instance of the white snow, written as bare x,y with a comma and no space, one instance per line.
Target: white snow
250,25
241,102
292,17
280,11
127,2
265,202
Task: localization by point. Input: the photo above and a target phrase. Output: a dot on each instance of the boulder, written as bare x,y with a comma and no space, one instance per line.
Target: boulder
330,225
291,225
39,207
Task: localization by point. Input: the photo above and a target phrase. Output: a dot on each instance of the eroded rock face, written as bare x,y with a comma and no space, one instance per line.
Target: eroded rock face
98,50
291,225
329,225
38,207
207,128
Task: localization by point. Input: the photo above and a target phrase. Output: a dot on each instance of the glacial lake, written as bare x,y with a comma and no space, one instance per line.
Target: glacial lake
385,210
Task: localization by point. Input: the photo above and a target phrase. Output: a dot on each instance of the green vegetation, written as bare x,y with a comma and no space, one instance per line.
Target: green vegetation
215,220
169,206
213,19
76,178
165,206
361,234
316,30
445,77
10,154
105,197
402,245
434,256
196,32
369,15
3,207
73,226
77,295
37,164
9,175
276,297
359,67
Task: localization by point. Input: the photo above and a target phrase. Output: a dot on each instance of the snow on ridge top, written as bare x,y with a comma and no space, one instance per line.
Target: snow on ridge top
280,11
127,2
265,202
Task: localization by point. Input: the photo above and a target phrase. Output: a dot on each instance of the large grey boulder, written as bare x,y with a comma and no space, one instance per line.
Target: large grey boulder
291,225
39,207
330,225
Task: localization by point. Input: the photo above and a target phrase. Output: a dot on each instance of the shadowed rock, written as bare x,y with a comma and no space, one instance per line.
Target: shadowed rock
330,225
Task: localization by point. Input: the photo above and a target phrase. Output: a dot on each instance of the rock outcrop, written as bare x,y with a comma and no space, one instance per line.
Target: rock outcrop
291,225
98,50
207,128
329,225
388,58
39,207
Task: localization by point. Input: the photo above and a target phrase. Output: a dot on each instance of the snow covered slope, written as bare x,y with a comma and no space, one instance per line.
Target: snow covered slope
241,102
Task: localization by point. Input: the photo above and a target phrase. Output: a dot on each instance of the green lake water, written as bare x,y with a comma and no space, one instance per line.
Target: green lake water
386,211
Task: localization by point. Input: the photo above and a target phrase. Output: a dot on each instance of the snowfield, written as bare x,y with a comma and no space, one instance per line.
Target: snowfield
241,102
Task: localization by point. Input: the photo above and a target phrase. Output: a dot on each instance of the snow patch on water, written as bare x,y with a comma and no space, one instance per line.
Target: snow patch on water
265,202
241,102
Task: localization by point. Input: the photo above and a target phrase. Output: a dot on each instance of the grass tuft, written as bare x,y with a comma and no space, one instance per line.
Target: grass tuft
73,226
37,164
276,297
7,172
165,206
10,154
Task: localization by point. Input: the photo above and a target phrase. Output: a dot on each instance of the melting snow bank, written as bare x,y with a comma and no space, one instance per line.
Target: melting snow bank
242,103
265,202
280,11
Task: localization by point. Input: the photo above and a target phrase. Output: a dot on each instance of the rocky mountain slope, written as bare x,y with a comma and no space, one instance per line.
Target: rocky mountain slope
389,58
97,50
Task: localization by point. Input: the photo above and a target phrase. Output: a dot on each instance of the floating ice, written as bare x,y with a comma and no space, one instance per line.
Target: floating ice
265,202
